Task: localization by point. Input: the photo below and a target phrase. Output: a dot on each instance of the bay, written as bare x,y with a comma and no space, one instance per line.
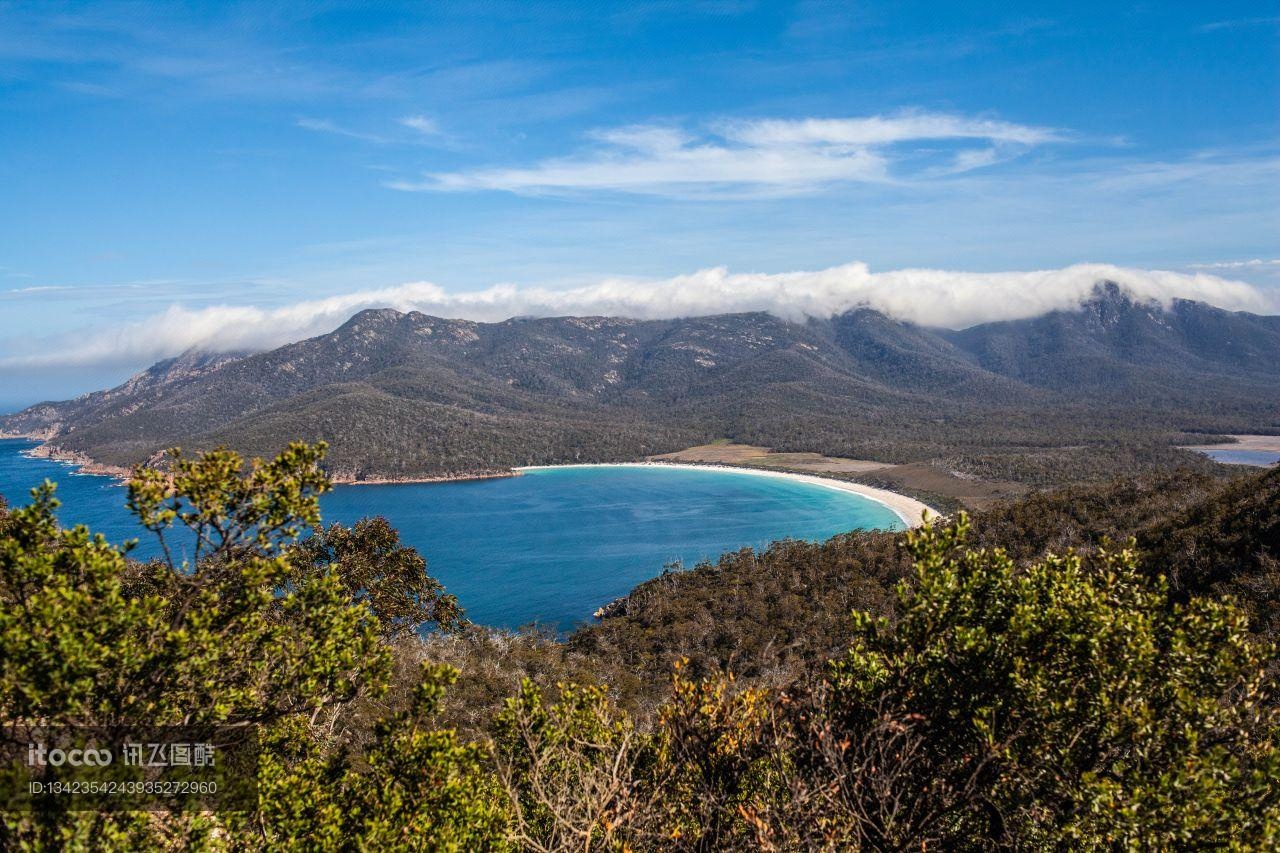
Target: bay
549,546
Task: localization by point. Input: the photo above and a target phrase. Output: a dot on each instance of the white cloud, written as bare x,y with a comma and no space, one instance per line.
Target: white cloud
1239,23
884,130
44,288
325,126
422,124
764,156
1253,263
928,297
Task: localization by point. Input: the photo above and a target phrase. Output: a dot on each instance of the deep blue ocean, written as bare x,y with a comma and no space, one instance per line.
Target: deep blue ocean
549,546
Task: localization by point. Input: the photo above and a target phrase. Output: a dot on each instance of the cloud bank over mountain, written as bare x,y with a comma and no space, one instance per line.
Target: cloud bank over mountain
929,297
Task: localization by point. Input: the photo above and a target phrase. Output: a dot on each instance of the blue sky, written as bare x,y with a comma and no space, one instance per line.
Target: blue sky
190,162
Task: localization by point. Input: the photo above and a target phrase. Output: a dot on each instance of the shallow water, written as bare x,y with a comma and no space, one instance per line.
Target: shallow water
1261,458
548,546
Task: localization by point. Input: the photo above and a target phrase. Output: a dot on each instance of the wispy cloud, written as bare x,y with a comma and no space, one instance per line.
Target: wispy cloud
81,289
422,124
944,298
1259,270
135,50
884,130
1240,23
325,126
762,156
1251,264
425,132
46,288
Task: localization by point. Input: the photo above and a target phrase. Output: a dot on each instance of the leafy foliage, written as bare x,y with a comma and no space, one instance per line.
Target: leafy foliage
375,568
225,510
232,639
775,614
574,770
87,637
717,748
979,697
1069,703
420,788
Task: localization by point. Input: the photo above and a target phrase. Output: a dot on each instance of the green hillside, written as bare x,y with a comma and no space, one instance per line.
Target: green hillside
1086,394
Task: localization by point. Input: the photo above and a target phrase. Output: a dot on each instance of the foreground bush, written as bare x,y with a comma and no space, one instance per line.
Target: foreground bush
1070,704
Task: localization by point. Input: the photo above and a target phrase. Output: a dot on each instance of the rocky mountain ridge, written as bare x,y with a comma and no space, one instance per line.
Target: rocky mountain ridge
406,395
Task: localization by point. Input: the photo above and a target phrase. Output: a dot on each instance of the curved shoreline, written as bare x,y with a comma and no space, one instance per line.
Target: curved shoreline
909,510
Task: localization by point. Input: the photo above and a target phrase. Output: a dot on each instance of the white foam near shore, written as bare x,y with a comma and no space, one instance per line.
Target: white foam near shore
912,512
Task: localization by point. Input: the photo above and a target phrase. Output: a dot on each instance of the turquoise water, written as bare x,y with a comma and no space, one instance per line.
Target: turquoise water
549,546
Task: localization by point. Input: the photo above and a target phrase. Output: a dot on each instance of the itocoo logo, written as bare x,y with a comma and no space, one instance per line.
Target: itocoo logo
38,755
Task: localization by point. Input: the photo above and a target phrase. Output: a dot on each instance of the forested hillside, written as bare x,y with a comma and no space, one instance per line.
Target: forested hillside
1085,394
968,686
777,613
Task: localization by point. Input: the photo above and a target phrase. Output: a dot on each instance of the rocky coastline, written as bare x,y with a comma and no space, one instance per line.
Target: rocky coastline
87,465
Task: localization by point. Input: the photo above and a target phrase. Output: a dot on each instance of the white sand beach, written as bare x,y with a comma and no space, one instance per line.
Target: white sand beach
911,511
1265,443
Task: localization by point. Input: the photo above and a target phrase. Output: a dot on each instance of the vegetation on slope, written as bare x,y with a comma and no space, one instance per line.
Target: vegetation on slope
977,697
1074,395
773,615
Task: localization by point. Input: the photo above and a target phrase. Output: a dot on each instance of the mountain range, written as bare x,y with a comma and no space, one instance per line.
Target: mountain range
406,395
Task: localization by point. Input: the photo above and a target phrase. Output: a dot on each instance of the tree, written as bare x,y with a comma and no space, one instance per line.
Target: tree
577,773
87,637
375,568
717,762
419,787
1068,704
